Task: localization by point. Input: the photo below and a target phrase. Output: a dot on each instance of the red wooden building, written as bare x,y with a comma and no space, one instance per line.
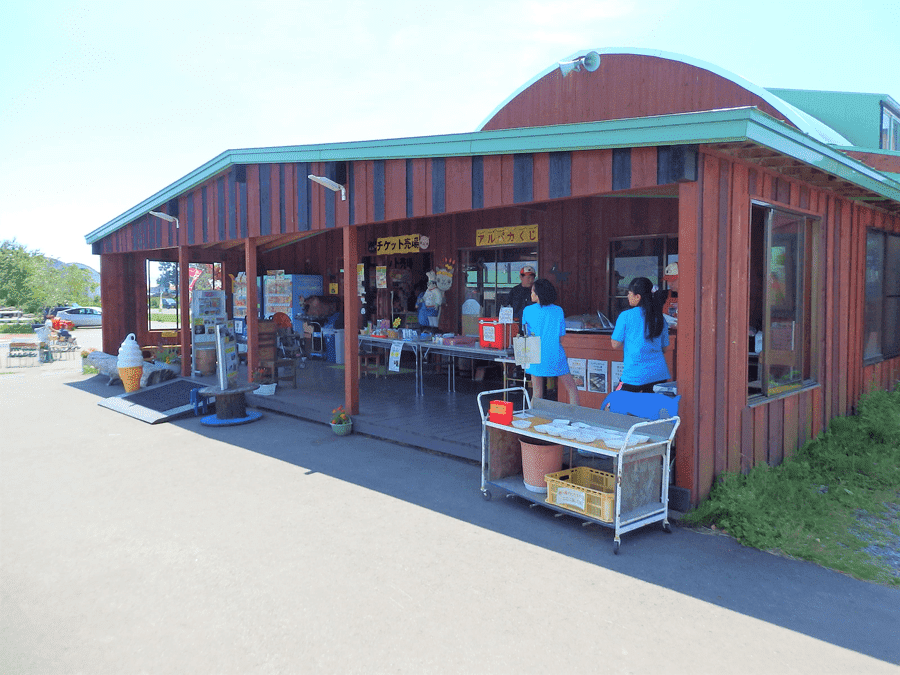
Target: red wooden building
783,226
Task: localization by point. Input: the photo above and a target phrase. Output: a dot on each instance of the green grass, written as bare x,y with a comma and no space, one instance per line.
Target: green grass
835,498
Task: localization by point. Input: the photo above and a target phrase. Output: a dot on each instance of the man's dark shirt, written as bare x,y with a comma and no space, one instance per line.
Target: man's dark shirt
519,298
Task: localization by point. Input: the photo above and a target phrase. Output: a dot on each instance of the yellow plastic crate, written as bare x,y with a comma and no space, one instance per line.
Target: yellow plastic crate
583,490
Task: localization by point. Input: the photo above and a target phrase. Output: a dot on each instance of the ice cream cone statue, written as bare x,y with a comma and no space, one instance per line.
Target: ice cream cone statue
130,364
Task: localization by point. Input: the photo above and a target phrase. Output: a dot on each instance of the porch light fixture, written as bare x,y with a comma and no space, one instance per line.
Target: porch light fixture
166,216
330,184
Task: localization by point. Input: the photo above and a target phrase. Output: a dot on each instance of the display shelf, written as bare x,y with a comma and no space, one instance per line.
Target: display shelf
641,470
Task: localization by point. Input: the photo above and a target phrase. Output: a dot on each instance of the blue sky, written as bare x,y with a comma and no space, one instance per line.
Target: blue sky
105,103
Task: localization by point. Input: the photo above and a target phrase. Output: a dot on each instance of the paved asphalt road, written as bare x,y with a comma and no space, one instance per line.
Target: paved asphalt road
277,547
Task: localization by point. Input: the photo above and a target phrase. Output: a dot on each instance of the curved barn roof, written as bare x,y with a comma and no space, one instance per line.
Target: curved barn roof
803,121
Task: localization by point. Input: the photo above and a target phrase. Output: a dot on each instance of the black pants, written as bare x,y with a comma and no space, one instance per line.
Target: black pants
638,388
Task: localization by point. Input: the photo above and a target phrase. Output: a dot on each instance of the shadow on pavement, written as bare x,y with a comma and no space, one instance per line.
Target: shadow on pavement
797,595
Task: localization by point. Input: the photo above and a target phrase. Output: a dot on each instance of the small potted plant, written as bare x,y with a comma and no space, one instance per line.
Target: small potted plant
264,377
341,424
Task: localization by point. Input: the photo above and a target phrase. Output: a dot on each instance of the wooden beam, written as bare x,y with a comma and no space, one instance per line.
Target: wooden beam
351,321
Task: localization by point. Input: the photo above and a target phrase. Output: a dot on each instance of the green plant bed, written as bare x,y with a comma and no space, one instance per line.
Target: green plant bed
835,503
18,328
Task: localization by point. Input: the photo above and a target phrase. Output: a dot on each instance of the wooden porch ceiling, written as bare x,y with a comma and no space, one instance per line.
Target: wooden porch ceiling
794,168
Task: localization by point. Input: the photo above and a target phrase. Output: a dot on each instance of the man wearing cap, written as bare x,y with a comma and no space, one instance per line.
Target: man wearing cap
670,307
520,296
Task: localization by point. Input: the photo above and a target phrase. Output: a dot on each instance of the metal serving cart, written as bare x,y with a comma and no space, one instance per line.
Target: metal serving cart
635,492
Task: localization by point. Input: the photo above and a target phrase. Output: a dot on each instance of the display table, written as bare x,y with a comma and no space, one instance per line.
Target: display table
413,345
470,351
231,406
640,478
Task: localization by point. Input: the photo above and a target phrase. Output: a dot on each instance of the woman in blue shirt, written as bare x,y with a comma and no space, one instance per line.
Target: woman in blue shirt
544,318
644,335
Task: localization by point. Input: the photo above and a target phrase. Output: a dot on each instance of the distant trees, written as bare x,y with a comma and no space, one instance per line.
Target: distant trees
30,281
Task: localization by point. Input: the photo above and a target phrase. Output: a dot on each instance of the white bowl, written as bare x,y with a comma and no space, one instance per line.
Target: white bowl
561,423
585,437
568,434
542,428
521,424
554,430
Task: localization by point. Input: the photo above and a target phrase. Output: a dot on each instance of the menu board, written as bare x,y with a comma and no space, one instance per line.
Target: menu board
226,355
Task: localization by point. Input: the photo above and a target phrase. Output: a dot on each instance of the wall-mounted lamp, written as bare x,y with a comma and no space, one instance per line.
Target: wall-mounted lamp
589,62
166,216
330,184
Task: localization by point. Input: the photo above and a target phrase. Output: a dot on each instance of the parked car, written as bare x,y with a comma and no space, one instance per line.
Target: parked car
169,303
82,316
54,311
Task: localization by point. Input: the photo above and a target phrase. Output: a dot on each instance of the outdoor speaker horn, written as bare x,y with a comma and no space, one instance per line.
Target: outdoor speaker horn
591,61
566,67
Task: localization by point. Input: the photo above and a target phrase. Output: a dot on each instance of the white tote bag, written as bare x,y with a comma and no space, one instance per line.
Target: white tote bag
527,350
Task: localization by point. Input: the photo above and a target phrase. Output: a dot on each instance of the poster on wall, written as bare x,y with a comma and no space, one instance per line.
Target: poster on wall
616,374
578,368
381,276
597,376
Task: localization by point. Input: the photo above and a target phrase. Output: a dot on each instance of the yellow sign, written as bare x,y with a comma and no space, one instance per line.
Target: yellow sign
408,243
506,236
333,289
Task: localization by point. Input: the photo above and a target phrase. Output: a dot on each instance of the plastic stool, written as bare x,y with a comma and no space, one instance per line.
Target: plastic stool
200,402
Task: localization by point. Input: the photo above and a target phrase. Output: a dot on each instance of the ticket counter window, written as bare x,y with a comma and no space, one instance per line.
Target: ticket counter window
637,257
491,273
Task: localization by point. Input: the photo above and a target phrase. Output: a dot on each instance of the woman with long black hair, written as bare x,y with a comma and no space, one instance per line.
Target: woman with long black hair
545,318
644,335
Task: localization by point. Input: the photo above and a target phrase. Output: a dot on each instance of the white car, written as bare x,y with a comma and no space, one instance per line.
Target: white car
82,316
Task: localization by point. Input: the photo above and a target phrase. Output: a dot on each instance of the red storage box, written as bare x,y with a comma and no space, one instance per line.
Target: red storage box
495,335
501,412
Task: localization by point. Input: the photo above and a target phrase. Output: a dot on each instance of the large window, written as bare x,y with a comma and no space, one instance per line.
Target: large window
882,312
163,293
782,286
490,274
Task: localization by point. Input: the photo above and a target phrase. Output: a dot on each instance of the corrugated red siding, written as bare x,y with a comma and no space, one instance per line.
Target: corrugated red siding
624,86
727,433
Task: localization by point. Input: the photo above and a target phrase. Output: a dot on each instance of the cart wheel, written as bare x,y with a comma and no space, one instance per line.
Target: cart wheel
486,494
616,547
667,528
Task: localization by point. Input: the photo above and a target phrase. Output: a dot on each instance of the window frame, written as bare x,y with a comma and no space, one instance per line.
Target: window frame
801,304
882,297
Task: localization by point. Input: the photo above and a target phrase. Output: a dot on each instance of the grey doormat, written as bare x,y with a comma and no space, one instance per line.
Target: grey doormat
159,403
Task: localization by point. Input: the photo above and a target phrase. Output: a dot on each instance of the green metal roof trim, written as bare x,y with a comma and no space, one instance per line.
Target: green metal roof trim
716,126
856,116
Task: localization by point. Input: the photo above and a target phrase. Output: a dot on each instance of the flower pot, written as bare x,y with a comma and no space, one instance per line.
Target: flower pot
342,429
266,389
539,459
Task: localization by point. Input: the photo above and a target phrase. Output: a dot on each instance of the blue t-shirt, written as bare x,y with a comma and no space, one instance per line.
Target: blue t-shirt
644,362
549,322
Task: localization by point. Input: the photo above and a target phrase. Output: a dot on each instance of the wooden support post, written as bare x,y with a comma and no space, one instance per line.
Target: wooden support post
184,309
351,321
252,304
